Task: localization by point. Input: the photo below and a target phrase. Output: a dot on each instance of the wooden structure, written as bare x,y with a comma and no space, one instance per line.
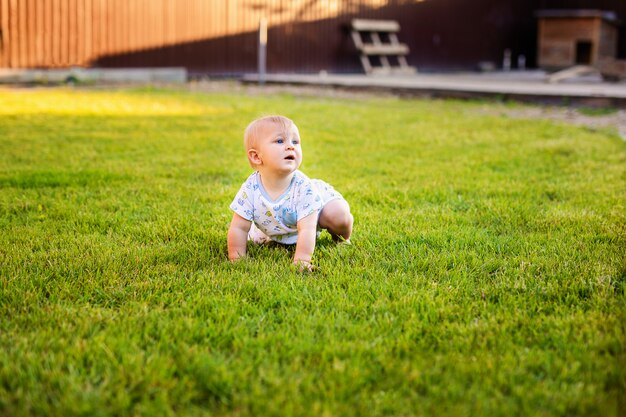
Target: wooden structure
378,40
219,37
613,70
576,37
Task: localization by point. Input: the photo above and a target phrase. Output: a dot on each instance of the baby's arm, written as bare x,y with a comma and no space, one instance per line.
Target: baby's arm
238,237
307,229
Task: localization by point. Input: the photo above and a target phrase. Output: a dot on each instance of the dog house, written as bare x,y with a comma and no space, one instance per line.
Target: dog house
576,37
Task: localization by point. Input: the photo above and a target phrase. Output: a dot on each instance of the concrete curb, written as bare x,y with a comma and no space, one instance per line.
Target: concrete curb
93,75
532,88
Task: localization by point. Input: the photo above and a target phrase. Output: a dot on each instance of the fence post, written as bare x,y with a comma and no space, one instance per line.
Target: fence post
262,49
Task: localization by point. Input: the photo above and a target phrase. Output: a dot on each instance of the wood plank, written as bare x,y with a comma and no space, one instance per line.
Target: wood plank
80,33
39,34
133,26
113,26
116,33
106,27
170,29
375,38
393,70
5,35
365,25
356,38
571,72
140,21
384,49
106,22
47,32
150,23
96,29
403,62
22,38
14,35
125,24
118,26
157,35
61,41
88,28
31,34
72,41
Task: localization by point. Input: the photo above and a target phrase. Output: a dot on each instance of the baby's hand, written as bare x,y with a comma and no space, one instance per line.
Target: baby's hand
237,258
304,266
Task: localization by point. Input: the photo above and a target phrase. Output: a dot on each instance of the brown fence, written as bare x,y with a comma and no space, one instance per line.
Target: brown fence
219,36
62,33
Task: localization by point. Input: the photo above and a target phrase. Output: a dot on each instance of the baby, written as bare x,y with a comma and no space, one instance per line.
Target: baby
278,202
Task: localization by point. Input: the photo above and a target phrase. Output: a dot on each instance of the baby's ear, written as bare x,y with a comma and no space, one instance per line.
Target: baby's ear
253,157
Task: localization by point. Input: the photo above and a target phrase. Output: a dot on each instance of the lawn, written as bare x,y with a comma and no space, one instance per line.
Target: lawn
487,274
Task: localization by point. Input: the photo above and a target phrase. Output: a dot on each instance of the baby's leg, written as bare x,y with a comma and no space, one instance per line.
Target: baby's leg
257,236
336,218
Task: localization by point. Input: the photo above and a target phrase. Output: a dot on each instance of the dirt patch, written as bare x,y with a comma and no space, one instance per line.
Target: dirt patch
296,90
591,118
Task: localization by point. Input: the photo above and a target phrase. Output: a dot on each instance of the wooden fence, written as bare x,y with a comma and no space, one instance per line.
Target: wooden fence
62,33
219,36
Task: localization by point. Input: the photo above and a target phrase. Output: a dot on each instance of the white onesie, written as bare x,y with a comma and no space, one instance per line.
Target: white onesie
277,219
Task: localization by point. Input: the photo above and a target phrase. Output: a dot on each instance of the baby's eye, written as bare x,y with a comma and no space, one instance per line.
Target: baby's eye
280,140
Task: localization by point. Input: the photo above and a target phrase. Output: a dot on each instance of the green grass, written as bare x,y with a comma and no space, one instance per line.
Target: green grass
487,274
597,111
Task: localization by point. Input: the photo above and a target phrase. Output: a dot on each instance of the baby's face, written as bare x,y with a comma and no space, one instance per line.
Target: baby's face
279,148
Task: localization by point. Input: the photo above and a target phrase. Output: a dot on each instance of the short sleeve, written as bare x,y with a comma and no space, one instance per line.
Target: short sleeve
243,203
309,201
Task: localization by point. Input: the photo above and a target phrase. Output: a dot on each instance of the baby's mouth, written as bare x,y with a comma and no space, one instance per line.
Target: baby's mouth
290,158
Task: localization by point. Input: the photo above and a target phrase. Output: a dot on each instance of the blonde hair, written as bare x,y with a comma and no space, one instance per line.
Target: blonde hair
251,134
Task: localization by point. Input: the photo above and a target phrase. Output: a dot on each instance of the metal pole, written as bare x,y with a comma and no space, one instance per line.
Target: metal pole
262,49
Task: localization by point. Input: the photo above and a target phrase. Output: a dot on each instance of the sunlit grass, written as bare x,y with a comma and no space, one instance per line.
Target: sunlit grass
486,277
64,102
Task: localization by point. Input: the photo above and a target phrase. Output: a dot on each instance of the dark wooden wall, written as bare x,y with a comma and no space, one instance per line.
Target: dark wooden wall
218,37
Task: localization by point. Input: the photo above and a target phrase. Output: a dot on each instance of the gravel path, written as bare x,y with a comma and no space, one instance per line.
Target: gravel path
613,119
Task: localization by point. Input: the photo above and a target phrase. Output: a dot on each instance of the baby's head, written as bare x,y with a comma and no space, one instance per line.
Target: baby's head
263,130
